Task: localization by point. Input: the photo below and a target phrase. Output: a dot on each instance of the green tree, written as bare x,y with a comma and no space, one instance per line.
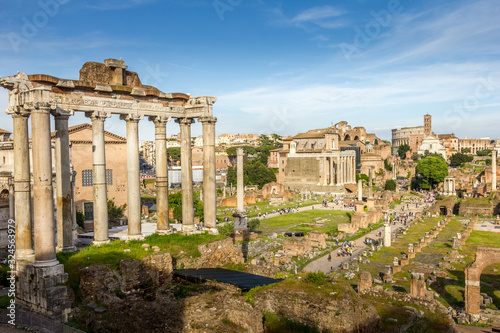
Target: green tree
363,177
430,171
390,185
375,142
485,152
387,165
416,157
466,151
80,219
402,150
264,140
174,153
460,159
253,224
231,151
115,213
175,203
254,173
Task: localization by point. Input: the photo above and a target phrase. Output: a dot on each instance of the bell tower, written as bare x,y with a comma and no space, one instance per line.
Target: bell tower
427,124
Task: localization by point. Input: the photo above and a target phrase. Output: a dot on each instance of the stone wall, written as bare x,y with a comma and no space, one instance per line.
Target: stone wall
476,206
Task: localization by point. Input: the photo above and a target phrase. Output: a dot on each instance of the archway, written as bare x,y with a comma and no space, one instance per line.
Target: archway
4,198
443,210
356,138
484,258
347,137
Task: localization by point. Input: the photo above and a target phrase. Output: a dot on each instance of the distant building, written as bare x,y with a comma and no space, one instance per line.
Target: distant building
4,135
432,145
402,135
197,156
475,145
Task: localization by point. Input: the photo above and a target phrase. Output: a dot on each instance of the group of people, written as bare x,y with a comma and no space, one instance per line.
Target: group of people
346,248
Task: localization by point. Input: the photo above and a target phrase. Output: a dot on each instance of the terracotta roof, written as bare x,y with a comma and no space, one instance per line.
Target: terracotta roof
80,127
2,131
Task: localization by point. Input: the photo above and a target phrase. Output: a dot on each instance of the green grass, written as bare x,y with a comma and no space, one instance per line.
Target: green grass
303,221
111,254
4,301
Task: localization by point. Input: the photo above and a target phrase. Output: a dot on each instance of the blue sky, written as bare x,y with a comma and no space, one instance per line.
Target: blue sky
278,66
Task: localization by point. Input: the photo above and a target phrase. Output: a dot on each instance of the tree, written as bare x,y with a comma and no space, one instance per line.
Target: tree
115,212
402,150
466,151
264,140
80,219
174,153
231,151
253,224
416,157
460,159
254,173
375,142
387,165
485,152
175,202
430,171
390,185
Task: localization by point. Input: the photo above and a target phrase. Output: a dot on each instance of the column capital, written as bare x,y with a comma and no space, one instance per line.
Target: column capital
159,120
184,121
239,151
41,107
131,117
61,113
98,115
207,119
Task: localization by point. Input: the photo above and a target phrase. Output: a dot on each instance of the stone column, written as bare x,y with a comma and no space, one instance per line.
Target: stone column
209,173
370,181
494,170
393,171
133,177
360,190
43,200
332,172
240,177
162,207
387,230
22,195
63,182
240,217
341,170
99,177
349,169
12,202
186,174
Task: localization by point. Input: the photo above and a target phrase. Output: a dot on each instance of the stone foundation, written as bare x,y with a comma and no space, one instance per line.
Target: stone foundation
42,290
365,281
417,284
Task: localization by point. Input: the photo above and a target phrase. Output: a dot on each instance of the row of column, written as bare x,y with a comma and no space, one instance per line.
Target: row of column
343,173
41,248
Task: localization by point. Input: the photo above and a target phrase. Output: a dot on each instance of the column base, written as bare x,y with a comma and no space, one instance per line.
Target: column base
99,243
134,237
164,231
46,263
188,229
212,231
25,256
66,249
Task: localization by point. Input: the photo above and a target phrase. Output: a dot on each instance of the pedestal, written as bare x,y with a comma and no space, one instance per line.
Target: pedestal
240,221
42,289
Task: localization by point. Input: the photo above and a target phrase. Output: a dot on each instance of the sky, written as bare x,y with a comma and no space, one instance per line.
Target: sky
278,66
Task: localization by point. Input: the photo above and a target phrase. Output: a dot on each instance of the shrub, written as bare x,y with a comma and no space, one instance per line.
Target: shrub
253,224
390,185
317,278
80,219
226,229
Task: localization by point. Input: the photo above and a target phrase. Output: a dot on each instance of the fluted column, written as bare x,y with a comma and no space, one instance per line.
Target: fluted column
341,170
332,172
494,170
43,200
186,174
133,177
162,208
63,182
209,172
348,169
99,177
22,194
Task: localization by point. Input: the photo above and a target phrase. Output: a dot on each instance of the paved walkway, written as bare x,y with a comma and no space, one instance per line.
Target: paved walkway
322,264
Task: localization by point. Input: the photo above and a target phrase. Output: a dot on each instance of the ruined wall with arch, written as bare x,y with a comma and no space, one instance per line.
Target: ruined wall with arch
484,258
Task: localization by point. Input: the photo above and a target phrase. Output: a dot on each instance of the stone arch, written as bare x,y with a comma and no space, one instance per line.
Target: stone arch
347,137
484,258
4,197
356,138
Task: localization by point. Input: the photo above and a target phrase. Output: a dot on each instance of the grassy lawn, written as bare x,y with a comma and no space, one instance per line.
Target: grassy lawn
110,254
303,221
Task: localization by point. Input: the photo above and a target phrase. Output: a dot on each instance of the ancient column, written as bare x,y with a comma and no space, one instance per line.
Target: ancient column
341,170
493,170
360,190
12,203
43,200
99,177
332,172
387,230
393,171
240,176
240,216
22,195
63,182
133,177
209,174
186,174
162,213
